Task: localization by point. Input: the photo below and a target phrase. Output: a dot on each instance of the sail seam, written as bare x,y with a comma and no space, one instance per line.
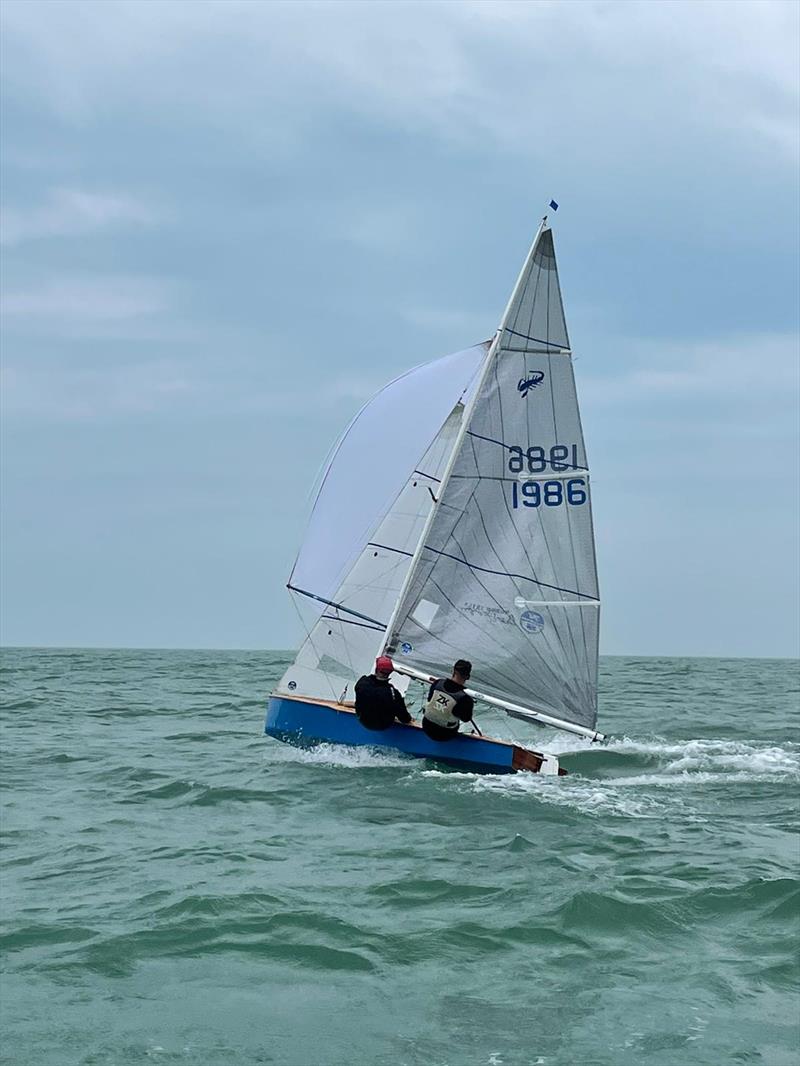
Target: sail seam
504,573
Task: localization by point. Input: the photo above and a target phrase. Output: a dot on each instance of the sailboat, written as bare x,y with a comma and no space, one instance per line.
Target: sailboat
454,520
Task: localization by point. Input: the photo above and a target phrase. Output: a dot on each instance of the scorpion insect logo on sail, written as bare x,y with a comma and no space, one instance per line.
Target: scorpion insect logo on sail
532,381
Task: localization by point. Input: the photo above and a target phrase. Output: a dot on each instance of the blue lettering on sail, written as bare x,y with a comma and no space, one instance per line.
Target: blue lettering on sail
533,381
549,493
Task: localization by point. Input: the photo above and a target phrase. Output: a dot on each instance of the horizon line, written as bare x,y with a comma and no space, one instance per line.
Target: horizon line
291,651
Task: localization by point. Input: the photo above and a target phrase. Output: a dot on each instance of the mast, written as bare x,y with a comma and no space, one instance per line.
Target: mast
465,420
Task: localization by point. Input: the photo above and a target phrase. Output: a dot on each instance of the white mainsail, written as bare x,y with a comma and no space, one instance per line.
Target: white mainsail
505,574
481,544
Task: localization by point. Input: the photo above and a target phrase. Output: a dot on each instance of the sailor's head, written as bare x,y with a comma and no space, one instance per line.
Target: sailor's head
383,666
461,671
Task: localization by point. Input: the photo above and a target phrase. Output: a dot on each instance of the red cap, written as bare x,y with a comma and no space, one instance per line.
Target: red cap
383,665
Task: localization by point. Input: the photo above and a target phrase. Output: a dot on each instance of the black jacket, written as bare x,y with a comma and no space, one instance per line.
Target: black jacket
378,703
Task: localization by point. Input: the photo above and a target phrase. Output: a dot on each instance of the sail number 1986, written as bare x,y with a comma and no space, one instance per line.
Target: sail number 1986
549,493
536,460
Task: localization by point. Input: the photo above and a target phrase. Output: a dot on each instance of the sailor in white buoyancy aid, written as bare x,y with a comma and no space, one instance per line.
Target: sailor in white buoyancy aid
448,704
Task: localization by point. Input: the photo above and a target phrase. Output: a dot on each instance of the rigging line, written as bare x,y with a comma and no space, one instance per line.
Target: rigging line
503,573
386,547
349,622
523,545
349,659
332,603
322,670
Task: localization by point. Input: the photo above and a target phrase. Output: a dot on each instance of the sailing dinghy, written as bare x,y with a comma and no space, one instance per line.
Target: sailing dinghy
454,520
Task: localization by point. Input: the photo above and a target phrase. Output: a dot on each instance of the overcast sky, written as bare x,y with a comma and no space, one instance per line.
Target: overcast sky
226,224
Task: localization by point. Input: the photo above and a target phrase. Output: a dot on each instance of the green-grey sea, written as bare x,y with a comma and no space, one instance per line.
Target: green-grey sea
179,889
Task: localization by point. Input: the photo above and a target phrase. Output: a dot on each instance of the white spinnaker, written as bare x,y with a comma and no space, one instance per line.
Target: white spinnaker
345,639
506,575
371,464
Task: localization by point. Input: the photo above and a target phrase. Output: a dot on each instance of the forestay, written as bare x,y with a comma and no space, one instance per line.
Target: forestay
506,574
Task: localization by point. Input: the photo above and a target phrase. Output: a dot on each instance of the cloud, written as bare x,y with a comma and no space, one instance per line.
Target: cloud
469,324
81,394
522,75
84,300
69,213
757,367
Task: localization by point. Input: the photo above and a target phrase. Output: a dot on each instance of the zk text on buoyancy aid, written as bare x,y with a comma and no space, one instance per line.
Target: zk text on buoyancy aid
441,705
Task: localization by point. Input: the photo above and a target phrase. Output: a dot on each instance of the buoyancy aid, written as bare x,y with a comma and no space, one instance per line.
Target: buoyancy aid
439,708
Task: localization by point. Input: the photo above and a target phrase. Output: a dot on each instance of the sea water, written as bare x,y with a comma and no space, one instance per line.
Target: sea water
177,888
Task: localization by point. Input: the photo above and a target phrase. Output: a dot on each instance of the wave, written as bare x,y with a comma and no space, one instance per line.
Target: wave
342,756
641,778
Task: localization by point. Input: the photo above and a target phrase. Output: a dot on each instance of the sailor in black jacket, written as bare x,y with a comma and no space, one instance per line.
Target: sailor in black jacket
448,704
378,703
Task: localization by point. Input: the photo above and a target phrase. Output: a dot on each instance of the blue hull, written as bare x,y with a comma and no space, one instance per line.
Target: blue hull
302,721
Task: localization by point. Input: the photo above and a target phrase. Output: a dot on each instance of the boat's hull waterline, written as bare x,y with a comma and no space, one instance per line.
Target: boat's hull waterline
306,722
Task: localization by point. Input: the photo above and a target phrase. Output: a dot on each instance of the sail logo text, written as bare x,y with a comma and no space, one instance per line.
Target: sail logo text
532,382
491,614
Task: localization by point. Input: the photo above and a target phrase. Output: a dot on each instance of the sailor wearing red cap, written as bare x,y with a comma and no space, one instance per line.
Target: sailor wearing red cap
378,703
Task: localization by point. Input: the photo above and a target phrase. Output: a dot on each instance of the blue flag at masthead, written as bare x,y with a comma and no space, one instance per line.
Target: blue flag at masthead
554,205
